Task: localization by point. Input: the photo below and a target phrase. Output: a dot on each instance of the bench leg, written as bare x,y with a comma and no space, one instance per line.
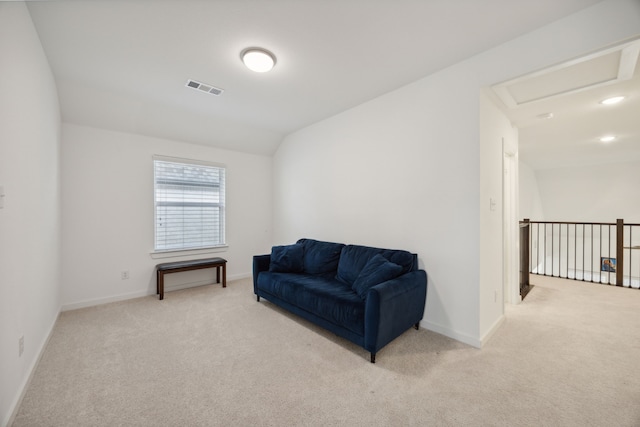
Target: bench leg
160,284
224,275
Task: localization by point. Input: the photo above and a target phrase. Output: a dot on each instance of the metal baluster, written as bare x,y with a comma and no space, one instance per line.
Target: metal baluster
609,255
567,251
575,252
600,253
591,265
583,239
544,259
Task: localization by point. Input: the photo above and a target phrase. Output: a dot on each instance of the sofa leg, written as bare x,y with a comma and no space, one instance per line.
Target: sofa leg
417,326
258,298
373,358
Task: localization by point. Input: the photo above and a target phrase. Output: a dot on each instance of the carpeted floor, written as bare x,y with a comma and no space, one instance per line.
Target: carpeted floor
567,356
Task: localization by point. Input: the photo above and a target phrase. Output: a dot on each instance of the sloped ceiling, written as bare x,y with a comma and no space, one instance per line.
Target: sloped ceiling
123,65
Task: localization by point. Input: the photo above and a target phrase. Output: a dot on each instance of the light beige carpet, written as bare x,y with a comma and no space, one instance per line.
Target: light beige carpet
569,355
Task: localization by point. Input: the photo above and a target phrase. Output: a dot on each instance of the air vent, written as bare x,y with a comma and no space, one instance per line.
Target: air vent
204,87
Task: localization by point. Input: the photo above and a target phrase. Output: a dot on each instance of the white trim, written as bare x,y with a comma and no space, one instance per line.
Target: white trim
496,325
458,336
222,168
629,53
141,294
188,161
510,228
104,300
188,252
464,338
15,405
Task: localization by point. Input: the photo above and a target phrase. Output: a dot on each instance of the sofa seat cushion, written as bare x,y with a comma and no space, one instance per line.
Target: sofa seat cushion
320,258
354,258
327,298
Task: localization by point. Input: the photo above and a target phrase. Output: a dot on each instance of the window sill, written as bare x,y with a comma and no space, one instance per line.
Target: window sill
188,252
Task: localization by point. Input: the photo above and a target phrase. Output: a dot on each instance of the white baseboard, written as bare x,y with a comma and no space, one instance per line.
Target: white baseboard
458,336
467,339
139,294
104,300
496,325
15,405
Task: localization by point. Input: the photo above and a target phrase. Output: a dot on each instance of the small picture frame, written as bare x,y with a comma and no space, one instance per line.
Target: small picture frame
608,264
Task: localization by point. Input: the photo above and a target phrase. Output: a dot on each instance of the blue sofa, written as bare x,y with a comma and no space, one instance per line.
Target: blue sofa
367,295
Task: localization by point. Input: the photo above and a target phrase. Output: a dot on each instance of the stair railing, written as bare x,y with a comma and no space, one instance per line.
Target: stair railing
607,253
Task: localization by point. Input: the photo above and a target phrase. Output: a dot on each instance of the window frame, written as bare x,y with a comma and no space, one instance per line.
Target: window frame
221,223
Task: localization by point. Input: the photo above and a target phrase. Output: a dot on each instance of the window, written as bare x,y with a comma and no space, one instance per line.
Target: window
189,204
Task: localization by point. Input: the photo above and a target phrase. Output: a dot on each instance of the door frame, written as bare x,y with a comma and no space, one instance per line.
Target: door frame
510,224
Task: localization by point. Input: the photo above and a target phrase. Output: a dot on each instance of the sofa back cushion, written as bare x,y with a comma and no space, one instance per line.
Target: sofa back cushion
287,259
320,257
354,258
376,270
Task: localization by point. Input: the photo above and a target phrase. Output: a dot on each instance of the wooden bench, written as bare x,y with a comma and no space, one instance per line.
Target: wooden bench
196,264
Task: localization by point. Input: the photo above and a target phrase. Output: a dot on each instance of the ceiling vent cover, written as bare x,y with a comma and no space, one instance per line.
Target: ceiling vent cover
204,87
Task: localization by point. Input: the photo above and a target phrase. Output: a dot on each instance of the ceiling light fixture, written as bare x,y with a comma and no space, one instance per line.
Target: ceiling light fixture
258,59
607,138
545,116
612,100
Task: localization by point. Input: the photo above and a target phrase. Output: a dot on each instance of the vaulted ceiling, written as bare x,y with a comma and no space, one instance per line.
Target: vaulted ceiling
123,65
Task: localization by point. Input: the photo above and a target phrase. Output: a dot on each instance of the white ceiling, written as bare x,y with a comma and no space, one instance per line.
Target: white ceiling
123,65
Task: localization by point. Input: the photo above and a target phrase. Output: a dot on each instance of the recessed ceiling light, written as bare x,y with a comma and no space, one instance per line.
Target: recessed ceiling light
258,59
612,100
545,116
607,138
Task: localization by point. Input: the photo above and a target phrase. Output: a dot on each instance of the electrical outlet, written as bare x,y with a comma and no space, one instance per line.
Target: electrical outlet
124,275
21,346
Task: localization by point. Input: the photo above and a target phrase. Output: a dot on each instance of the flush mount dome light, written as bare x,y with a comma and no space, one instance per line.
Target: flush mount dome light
258,59
607,138
612,100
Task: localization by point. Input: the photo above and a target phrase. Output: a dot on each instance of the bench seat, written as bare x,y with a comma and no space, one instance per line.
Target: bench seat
196,264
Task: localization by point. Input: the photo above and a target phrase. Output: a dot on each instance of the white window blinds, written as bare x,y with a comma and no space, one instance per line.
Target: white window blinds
189,205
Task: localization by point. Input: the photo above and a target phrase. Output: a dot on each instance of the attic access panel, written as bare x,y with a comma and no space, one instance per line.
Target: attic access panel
601,68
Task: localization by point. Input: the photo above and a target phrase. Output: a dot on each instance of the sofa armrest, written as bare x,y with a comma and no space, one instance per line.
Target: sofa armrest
260,263
392,307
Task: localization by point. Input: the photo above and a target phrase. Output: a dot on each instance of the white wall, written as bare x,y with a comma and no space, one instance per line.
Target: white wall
403,170
600,193
395,172
107,182
497,136
530,200
30,219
